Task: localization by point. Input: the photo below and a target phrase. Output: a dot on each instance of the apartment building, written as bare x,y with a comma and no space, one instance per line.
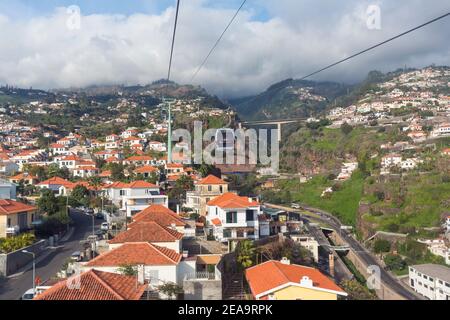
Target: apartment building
431,281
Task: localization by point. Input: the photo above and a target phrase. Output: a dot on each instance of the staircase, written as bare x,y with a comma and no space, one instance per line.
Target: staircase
233,287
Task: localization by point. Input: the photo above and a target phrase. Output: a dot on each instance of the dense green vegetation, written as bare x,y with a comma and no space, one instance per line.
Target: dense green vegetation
343,203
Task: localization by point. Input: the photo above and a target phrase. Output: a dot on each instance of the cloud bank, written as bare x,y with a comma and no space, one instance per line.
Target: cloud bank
297,38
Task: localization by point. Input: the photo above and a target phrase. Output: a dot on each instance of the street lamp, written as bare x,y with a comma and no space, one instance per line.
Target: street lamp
34,269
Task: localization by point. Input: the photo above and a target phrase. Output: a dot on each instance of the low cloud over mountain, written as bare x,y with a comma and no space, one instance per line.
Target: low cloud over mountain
291,39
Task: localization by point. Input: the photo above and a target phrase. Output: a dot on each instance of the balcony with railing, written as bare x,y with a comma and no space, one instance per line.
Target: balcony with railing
203,276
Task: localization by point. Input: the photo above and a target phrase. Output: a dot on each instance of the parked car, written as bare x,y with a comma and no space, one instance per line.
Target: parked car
295,205
99,216
104,226
90,211
28,295
76,256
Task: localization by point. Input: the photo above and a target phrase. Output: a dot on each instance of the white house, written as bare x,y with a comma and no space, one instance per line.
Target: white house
391,160
431,281
160,264
7,190
233,217
136,196
8,167
409,164
157,146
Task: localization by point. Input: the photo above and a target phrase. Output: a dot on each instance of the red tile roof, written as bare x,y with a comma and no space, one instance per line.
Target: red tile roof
146,169
216,222
211,180
159,214
232,201
95,285
283,274
23,176
133,185
136,253
10,207
139,158
147,232
57,181
141,184
105,174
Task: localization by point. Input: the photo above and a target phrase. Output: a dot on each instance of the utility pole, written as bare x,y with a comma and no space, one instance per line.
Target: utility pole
34,269
169,136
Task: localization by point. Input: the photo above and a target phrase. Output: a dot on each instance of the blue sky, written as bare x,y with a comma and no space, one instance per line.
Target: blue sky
27,8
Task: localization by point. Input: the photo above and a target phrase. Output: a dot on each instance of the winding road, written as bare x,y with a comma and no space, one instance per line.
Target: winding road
15,286
361,251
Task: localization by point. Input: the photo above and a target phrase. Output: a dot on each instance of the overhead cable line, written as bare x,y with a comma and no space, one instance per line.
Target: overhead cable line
375,46
218,41
173,40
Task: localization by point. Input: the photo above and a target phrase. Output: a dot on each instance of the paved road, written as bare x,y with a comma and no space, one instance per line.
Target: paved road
361,251
13,288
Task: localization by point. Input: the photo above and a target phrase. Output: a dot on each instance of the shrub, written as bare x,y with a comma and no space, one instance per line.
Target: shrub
394,262
381,246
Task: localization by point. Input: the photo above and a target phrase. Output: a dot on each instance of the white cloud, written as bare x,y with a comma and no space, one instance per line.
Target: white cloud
301,37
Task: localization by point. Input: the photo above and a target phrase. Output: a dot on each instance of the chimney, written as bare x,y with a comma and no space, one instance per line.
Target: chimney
331,263
185,254
250,199
178,209
141,274
306,282
285,260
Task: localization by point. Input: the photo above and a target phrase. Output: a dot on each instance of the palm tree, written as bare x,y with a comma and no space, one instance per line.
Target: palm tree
245,254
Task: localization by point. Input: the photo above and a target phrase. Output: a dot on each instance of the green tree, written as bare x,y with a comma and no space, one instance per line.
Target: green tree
79,196
357,291
346,128
47,202
394,262
381,246
128,270
245,254
117,171
170,289
183,184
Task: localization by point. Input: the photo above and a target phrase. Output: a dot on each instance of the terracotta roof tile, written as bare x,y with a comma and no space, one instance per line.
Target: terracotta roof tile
159,214
57,181
136,253
211,180
281,274
147,232
95,285
232,201
10,207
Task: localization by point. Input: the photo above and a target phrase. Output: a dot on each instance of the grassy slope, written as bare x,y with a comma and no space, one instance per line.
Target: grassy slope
343,203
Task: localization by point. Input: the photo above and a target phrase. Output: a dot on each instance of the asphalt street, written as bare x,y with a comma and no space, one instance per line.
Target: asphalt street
14,287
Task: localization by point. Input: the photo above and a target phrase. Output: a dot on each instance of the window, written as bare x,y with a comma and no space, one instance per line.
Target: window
209,188
9,223
232,217
227,233
122,192
249,215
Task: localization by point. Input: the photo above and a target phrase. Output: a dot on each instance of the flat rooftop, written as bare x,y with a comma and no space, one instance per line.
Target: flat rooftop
434,270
